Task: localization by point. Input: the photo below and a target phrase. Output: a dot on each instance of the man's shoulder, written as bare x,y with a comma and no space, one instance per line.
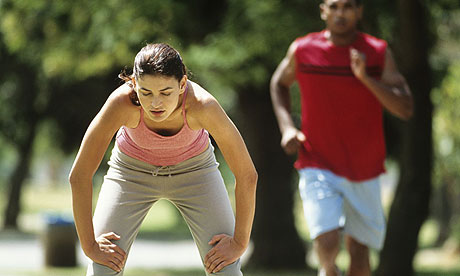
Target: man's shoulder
373,41
310,37
315,39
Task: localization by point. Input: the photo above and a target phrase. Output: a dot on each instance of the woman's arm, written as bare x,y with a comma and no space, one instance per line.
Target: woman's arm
228,249
93,147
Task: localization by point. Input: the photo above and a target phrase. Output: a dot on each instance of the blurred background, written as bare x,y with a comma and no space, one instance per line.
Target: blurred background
59,60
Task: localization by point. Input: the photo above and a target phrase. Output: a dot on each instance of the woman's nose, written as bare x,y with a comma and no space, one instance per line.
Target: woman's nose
156,102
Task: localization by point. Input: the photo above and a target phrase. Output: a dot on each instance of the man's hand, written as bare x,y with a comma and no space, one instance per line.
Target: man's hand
106,253
292,140
225,251
358,64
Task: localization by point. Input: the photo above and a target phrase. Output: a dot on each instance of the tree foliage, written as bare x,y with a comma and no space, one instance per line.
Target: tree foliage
447,152
60,59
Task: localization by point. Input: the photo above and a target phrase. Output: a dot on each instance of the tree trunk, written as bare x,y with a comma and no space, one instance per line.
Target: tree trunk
411,203
277,244
17,178
444,211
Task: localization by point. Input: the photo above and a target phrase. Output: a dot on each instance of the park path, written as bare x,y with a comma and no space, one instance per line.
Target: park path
28,254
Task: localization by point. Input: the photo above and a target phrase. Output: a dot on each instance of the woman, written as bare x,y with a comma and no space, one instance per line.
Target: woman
162,150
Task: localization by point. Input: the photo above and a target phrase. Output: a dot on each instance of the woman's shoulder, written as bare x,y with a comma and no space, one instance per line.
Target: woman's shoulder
200,105
119,103
120,94
199,97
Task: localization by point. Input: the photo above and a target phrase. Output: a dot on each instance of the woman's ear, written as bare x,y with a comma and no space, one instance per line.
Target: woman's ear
183,84
133,82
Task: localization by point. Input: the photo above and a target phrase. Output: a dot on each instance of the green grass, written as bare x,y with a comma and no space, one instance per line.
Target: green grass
195,272
165,223
145,272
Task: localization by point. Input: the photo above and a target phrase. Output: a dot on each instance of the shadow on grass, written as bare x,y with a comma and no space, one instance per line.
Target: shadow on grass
174,234
12,234
438,273
79,271
146,272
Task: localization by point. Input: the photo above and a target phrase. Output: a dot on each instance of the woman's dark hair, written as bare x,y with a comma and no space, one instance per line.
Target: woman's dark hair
155,59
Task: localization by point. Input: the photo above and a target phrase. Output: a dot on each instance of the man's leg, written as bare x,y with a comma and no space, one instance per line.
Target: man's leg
327,248
359,257
365,223
323,209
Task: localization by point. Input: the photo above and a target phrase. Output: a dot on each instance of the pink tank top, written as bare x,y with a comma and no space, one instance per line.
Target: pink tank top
148,146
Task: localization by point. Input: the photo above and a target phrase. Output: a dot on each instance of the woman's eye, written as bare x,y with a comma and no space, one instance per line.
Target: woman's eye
166,94
145,94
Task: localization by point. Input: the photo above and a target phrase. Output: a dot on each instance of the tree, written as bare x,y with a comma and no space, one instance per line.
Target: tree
447,154
411,203
236,63
56,54
20,116
445,207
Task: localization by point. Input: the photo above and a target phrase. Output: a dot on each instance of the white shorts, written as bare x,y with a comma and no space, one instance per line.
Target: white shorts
331,202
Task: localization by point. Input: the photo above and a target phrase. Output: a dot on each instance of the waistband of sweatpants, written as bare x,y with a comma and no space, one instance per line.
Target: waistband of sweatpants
204,160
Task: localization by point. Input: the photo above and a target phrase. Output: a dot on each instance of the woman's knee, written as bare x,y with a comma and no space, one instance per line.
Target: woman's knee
95,269
233,269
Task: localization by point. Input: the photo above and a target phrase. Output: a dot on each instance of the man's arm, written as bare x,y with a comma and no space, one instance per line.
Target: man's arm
392,90
280,84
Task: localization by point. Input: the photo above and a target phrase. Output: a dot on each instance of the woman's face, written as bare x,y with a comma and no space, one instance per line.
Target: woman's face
159,95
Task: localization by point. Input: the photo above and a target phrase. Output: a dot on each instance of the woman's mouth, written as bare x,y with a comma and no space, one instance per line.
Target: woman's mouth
157,112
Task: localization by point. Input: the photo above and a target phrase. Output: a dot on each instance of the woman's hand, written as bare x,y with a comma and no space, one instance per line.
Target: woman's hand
225,251
106,253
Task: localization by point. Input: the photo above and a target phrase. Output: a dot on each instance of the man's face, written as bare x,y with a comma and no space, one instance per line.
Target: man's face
341,16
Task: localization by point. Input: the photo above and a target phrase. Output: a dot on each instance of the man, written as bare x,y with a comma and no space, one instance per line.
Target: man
346,78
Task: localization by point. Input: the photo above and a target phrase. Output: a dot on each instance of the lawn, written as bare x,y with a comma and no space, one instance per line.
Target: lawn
144,272
164,223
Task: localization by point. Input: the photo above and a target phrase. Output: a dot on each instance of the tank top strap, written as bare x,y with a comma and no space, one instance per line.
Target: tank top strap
141,119
183,105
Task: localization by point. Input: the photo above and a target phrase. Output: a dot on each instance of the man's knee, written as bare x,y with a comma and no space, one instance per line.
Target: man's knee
328,242
359,254
356,249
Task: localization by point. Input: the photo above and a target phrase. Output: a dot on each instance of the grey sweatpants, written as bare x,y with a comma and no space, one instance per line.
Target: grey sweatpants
194,186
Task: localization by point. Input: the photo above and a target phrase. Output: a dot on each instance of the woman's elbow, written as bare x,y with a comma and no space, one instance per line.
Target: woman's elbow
253,178
74,178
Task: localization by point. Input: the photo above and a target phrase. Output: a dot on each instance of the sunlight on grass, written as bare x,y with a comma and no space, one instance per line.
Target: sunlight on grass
163,216
196,272
428,233
146,272
165,222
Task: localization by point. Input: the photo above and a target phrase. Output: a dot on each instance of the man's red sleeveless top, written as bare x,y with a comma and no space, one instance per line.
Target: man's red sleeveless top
341,118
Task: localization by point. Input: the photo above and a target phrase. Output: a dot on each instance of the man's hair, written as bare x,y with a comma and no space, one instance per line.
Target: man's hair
358,2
